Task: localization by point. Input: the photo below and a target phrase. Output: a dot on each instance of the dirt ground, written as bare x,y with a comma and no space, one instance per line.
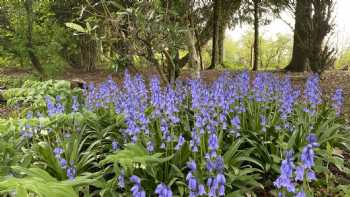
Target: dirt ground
330,80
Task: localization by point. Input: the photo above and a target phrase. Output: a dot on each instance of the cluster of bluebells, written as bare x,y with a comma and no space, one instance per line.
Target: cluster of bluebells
216,182
55,107
152,109
194,186
291,175
137,189
338,101
71,171
312,93
163,190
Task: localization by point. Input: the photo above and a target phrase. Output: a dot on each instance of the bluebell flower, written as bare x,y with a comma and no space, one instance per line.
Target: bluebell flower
310,175
75,105
150,147
180,142
137,190
58,151
121,179
307,156
288,98
115,145
163,190
201,190
300,194
63,163
71,173
192,165
338,100
312,93
286,173
299,173
213,142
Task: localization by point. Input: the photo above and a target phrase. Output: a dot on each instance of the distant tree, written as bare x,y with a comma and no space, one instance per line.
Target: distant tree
217,28
259,12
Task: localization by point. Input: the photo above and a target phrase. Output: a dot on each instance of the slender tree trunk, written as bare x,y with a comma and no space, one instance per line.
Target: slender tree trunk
194,59
30,48
88,49
216,32
221,42
256,35
301,34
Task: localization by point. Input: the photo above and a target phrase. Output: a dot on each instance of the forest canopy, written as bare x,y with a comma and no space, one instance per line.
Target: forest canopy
167,35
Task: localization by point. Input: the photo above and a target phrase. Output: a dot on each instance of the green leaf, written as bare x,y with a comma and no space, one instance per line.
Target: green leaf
135,153
76,27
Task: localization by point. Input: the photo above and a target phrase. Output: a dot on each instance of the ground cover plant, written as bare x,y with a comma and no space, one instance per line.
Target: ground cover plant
237,136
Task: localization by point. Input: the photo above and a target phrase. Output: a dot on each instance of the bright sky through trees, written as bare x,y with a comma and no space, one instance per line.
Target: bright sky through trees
341,34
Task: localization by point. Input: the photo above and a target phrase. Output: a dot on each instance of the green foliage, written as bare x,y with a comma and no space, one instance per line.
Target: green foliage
32,95
39,182
275,52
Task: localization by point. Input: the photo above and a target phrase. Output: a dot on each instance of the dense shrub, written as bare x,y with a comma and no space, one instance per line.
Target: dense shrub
233,137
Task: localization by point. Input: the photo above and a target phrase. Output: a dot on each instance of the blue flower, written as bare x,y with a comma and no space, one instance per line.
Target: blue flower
163,191
121,179
71,173
58,151
63,163
299,173
137,190
180,142
300,194
307,156
192,165
312,93
286,173
310,175
150,147
213,142
115,145
75,105
338,101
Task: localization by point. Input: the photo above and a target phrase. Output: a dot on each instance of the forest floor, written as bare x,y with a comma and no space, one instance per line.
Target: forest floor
330,80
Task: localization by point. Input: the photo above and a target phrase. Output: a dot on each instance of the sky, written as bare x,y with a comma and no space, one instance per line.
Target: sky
341,32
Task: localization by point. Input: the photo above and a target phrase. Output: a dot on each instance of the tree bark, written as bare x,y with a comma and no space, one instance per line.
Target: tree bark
256,35
301,34
30,48
216,32
221,42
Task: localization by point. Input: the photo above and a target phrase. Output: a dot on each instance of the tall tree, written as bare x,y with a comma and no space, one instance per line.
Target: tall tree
28,4
303,11
217,25
321,55
256,34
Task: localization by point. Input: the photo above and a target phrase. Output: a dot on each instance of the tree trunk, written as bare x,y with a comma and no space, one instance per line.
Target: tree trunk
301,34
194,59
221,42
30,48
88,51
321,26
216,32
256,35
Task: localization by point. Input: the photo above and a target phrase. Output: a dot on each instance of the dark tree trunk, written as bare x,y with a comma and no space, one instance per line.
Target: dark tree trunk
301,34
321,26
88,51
216,33
256,35
221,42
30,48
